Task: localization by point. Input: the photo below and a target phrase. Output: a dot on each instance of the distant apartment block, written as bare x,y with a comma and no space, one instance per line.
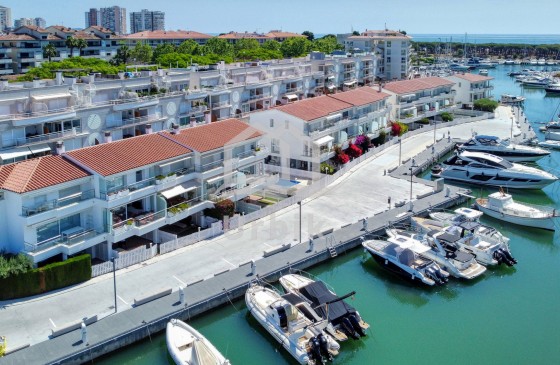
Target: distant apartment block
5,18
38,22
394,49
146,20
113,18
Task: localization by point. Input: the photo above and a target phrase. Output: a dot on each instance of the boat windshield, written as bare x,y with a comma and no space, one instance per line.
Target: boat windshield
499,162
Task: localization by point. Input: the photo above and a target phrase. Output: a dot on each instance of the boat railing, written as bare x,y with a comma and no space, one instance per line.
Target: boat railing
535,211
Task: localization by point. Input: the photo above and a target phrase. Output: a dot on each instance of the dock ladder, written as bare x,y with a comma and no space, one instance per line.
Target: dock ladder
331,245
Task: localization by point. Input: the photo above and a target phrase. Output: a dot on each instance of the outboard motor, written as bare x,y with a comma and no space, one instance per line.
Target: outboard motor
347,328
316,350
508,255
432,274
501,256
440,275
356,324
324,343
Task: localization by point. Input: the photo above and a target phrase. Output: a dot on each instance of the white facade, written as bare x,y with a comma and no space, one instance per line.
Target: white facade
5,18
470,88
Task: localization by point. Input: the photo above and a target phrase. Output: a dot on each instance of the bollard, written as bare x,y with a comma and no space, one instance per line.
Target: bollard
365,222
181,295
411,206
84,333
384,172
447,192
310,244
253,267
433,150
389,202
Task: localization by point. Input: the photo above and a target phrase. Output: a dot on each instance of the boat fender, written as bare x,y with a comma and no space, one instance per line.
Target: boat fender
324,344
356,324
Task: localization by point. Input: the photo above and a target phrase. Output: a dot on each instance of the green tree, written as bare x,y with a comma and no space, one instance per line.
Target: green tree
310,36
161,49
245,44
327,44
446,117
49,51
486,105
271,45
258,53
142,53
71,43
188,47
355,32
218,46
81,44
122,56
295,47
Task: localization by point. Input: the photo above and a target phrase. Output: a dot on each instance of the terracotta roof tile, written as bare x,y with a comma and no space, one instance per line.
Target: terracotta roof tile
39,173
311,109
16,37
410,86
361,96
215,135
280,34
168,34
241,35
127,154
473,77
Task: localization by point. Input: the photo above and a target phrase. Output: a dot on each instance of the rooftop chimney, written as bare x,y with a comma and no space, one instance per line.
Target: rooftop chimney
148,129
174,128
36,82
58,79
107,136
60,148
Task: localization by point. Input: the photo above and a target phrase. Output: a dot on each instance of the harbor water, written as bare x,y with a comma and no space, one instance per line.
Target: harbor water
507,316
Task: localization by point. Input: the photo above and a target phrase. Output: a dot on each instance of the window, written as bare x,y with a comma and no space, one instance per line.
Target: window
275,145
388,43
388,52
271,123
388,59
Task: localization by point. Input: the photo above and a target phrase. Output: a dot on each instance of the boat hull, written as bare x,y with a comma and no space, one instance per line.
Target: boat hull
544,223
180,351
397,270
513,155
499,183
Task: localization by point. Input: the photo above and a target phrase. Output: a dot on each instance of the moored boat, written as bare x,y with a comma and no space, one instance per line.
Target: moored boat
304,340
187,346
344,320
550,144
512,99
503,148
501,206
396,257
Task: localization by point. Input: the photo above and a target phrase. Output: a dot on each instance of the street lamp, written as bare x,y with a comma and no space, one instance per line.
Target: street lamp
400,148
411,168
435,126
114,282
299,203
511,136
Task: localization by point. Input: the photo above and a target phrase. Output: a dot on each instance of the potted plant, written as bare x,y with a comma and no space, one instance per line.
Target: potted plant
159,179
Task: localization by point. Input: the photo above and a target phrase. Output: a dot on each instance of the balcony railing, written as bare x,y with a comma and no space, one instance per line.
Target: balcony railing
183,206
259,96
58,203
66,240
149,218
42,138
210,166
135,121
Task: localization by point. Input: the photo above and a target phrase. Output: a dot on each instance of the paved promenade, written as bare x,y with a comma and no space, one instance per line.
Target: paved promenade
361,192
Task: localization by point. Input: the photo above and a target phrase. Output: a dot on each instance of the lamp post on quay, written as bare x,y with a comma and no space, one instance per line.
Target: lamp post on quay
411,169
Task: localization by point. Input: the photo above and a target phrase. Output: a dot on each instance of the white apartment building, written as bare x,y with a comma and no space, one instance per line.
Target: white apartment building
303,134
91,199
5,18
393,47
471,87
81,111
146,20
417,99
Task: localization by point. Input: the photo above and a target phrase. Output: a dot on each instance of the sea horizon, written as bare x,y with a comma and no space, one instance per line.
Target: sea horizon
488,38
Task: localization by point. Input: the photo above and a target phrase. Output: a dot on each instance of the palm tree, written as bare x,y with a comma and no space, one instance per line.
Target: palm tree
71,43
49,51
81,44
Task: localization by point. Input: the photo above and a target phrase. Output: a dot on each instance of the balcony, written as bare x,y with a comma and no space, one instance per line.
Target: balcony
185,209
134,103
135,121
41,138
74,240
58,203
259,96
210,166
221,104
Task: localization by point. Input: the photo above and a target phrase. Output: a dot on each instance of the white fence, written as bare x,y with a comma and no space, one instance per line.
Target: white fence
214,230
125,259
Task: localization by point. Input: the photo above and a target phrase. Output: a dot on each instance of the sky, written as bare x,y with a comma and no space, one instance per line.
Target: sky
320,17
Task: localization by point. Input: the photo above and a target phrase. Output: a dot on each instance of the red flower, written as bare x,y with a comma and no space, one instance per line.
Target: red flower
342,158
353,151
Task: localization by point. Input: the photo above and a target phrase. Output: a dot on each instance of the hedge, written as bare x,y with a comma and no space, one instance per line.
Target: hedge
50,277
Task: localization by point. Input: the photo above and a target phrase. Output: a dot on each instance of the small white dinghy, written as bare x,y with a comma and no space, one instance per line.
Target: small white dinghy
549,143
501,206
187,346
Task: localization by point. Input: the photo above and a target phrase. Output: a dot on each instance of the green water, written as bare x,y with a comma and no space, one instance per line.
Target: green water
508,316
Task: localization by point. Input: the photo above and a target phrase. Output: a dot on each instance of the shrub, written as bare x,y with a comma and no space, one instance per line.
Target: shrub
446,117
353,151
327,168
14,265
342,158
380,139
485,105
398,129
50,277
424,121
221,209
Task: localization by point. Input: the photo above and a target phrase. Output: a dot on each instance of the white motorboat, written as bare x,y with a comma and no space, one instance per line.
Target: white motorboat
344,320
541,62
306,341
501,206
509,61
535,81
188,347
406,262
456,262
553,88
503,148
483,72
552,135
462,215
512,99
464,236
486,169
550,144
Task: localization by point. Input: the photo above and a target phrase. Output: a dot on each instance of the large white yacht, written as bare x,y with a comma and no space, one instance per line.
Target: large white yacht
395,256
503,148
486,169
458,263
306,341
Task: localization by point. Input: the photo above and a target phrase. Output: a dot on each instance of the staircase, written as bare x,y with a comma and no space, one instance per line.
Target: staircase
332,251
330,245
